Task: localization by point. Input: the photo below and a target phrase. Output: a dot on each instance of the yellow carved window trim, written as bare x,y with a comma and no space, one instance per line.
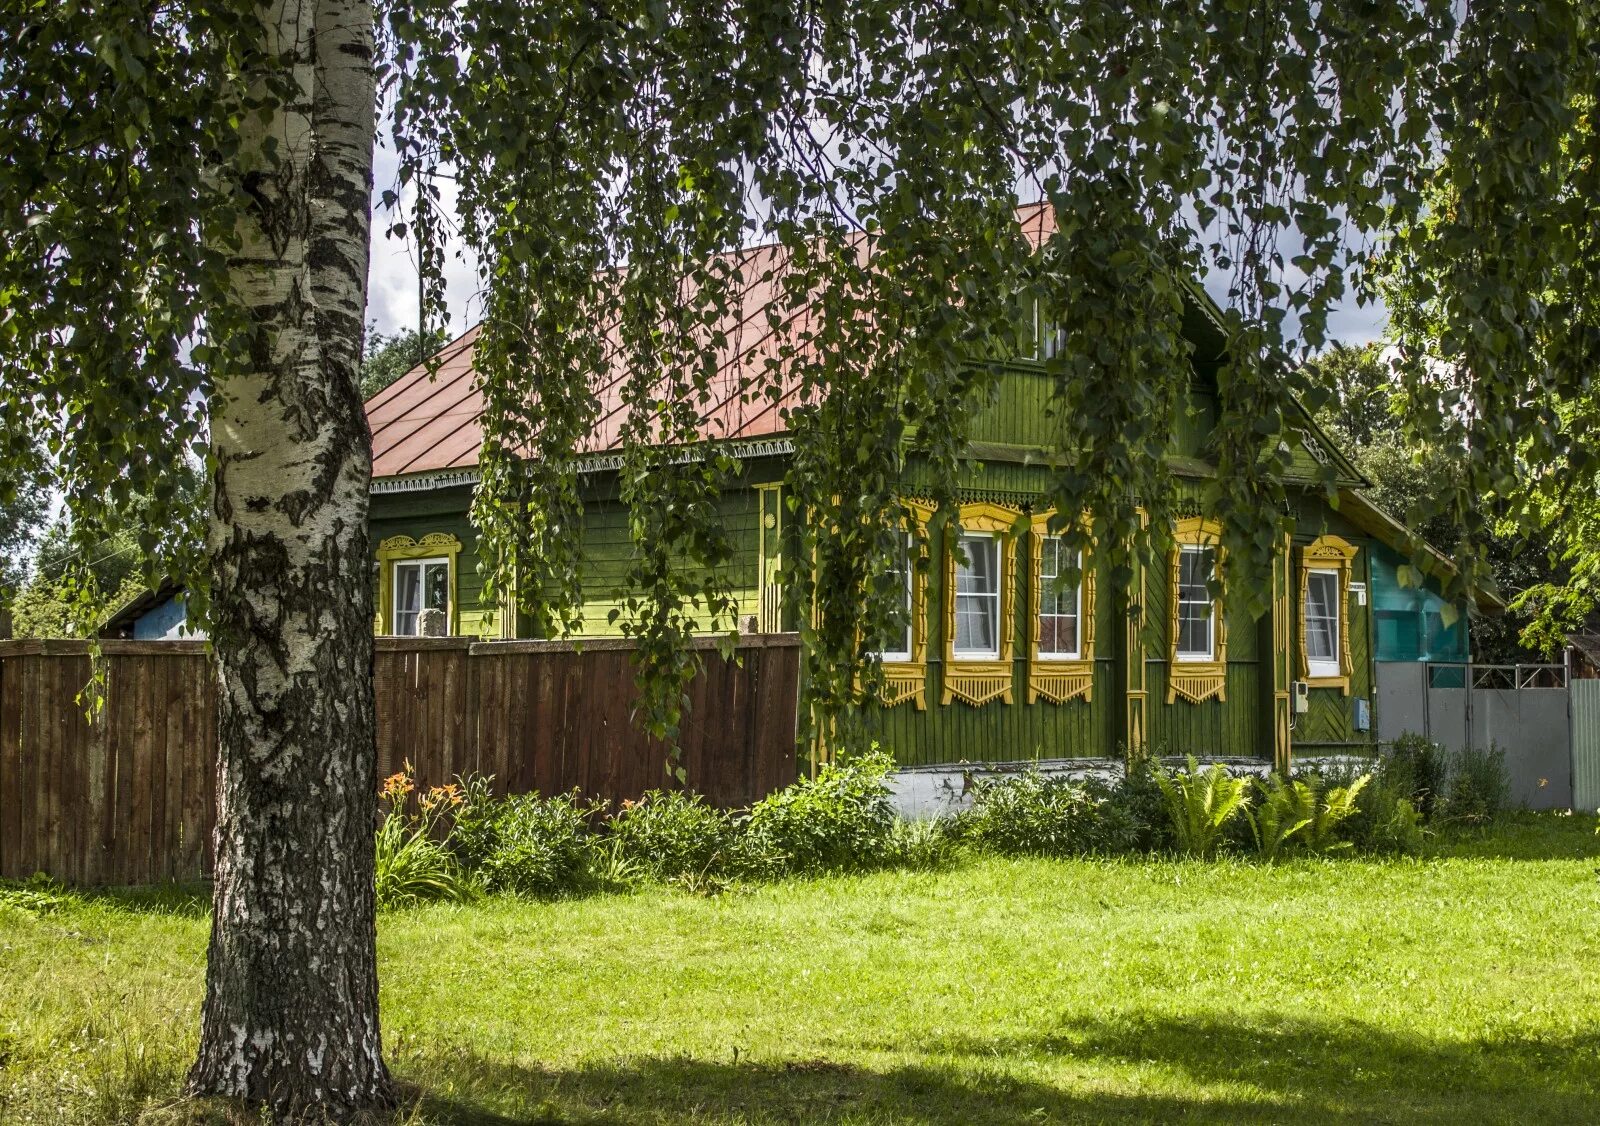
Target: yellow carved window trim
1197,681
977,682
908,679
398,548
1059,679
1328,553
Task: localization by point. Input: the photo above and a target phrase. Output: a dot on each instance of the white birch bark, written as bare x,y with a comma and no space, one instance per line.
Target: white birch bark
291,1011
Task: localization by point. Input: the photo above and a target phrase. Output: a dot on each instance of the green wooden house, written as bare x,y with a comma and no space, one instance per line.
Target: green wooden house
998,664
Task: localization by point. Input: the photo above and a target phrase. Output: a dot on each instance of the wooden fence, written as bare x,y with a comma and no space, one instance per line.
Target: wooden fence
129,797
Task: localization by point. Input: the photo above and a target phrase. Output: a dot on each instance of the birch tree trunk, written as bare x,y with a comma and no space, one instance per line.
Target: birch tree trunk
290,1019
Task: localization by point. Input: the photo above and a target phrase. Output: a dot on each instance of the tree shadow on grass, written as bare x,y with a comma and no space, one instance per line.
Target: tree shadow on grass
683,1089
1301,1071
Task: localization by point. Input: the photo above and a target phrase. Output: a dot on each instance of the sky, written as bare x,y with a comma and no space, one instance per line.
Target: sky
392,279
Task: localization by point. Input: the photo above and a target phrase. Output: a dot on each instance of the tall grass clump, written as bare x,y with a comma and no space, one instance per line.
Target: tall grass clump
840,820
1479,787
1416,768
414,863
1201,803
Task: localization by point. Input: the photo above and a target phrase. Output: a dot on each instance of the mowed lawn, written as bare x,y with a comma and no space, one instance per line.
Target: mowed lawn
1463,987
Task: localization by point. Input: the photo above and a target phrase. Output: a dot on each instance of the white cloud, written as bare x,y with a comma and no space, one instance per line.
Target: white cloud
392,273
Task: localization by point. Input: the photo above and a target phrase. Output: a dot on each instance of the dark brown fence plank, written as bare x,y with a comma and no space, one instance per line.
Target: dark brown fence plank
10,785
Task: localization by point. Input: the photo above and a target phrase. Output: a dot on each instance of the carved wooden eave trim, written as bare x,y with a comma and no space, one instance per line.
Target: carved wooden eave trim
589,463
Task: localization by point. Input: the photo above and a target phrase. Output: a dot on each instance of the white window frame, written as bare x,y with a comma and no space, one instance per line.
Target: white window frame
1324,667
992,654
394,587
903,656
1077,613
1047,336
1210,652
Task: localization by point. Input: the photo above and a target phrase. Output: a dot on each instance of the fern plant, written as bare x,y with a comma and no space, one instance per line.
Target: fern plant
1335,807
1285,810
1201,803
1301,811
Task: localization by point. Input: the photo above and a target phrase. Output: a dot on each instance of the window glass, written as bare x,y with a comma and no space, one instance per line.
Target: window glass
1196,613
899,648
419,584
1322,623
1048,335
978,598
1058,606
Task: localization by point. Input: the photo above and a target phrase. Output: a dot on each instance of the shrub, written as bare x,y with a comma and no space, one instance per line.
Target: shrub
669,835
1415,767
841,819
1334,806
413,862
1134,817
528,845
1032,815
1480,788
1200,804
1387,819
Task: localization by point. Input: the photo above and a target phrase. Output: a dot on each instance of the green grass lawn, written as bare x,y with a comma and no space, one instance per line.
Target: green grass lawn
1464,987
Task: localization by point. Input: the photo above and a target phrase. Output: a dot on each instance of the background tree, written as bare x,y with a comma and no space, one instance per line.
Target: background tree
206,165
22,516
1366,416
389,357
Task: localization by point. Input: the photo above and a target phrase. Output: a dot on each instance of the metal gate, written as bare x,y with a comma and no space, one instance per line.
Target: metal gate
1527,711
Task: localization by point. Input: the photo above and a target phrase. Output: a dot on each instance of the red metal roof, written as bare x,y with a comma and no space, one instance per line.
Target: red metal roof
422,423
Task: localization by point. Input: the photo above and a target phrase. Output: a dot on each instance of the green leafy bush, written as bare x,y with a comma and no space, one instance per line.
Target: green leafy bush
671,835
1387,818
841,819
1285,810
1134,818
1201,803
526,844
1030,814
1480,788
1034,815
1416,768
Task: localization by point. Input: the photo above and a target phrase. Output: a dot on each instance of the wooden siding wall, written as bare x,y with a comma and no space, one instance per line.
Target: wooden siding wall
129,798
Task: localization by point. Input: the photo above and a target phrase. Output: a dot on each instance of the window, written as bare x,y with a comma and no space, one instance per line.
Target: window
978,598
1060,608
1061,664
1326,564
419,584
899,647
980,558
1197,614
1322,623
1048,335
